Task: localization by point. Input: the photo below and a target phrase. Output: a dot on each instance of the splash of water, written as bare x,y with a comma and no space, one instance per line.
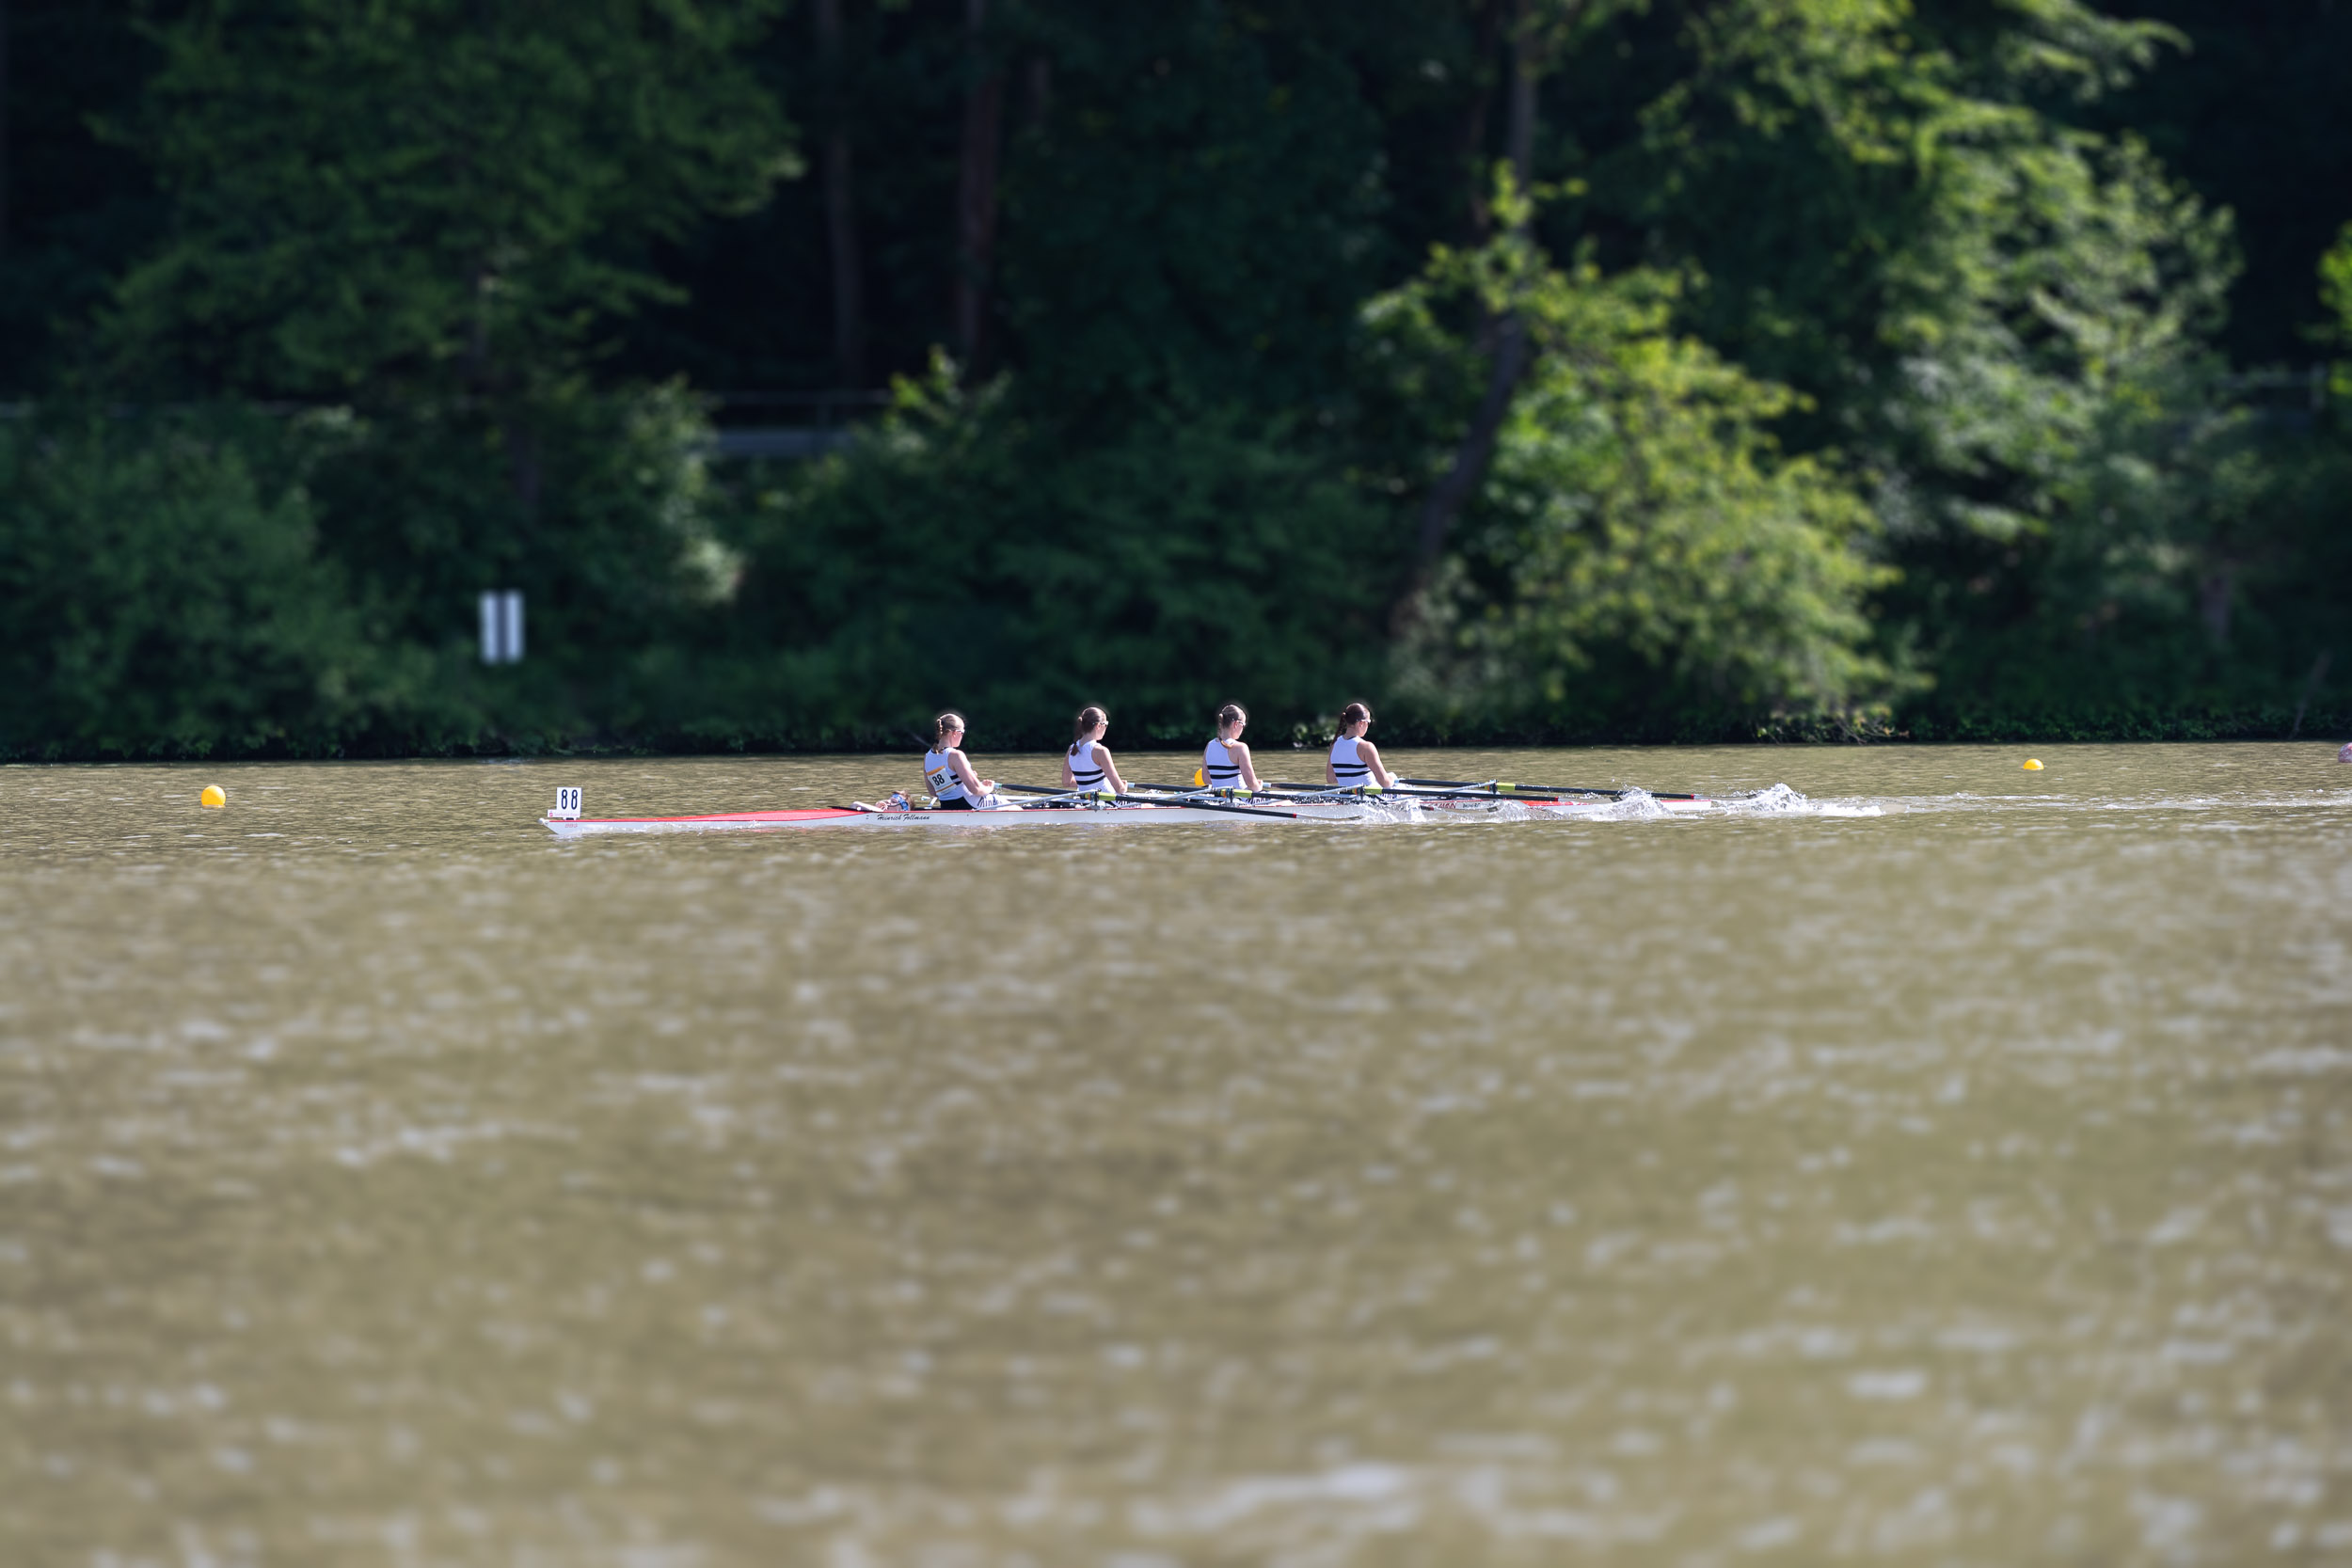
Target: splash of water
1779,799
1635,805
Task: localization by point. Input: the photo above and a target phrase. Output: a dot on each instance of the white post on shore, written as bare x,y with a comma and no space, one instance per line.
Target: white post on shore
502,627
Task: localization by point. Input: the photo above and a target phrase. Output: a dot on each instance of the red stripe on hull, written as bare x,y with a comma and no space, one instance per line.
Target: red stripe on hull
817,814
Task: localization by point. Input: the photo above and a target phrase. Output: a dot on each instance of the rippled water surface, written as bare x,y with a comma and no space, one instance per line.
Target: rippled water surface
383,1182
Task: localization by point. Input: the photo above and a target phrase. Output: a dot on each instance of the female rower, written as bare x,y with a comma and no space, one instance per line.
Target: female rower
1087,763
1226,763
948,771
1355,762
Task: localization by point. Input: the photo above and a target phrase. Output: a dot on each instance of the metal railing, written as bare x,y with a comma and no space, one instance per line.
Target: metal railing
2287,396
758,424
824,422
824,409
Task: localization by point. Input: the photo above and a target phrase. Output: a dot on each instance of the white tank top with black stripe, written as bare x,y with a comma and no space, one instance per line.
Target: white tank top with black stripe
1084,771
940,773
1346,767
1221,767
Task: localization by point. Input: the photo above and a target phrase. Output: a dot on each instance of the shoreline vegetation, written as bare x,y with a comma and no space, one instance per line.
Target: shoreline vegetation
1542,371
1308,736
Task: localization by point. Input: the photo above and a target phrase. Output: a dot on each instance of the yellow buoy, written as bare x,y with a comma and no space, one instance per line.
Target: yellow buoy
2032,767
214,796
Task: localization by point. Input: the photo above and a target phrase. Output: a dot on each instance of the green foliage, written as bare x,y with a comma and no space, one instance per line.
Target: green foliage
2197,566
958,556
2335,282
1881,373
1958,281
165,599
615,552
425,216
2253,114
221,581
1232,272
1644,545
429,195
2007,333
2058,474
72,208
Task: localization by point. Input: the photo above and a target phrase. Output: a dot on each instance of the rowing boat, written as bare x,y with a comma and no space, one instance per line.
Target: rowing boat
564,821
843,817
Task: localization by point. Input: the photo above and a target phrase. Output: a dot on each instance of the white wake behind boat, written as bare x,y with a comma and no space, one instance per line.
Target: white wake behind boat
565,820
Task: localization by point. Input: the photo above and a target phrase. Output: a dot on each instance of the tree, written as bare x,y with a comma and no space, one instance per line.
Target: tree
434,211
430,196
1989,308
2253,116
1539,30
4,130
963,554
2335,284
975,182
841,243
165,598
1196,220
1642,548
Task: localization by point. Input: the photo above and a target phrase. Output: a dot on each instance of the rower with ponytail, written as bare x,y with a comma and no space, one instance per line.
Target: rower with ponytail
1087,767
948,771
1355,762
1225,763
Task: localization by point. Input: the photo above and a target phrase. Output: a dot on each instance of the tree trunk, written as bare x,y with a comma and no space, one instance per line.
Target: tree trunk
1526,66
848,294
1472,147
2213,602
1041,91
1475,453
976,187
1513,355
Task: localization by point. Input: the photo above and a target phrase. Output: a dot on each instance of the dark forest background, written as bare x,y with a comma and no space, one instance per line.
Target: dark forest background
1537,369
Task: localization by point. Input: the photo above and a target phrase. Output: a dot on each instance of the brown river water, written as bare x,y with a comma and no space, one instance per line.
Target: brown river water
383,1182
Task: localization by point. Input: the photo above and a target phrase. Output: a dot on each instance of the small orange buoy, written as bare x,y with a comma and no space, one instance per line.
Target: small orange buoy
214,796
2032,766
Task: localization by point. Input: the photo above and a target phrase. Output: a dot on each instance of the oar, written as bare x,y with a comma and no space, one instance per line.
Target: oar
1269,786
1183,789
1193,795
1142,801
1208,805
1423,790
1043,797
1518,790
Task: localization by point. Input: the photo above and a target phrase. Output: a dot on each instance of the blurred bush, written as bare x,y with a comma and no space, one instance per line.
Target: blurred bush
228,580
961,556
167,597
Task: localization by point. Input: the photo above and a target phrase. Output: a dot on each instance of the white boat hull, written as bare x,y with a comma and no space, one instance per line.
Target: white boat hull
1396,809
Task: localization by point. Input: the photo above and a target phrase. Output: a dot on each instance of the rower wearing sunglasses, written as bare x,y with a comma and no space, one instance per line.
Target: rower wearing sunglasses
1355,762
